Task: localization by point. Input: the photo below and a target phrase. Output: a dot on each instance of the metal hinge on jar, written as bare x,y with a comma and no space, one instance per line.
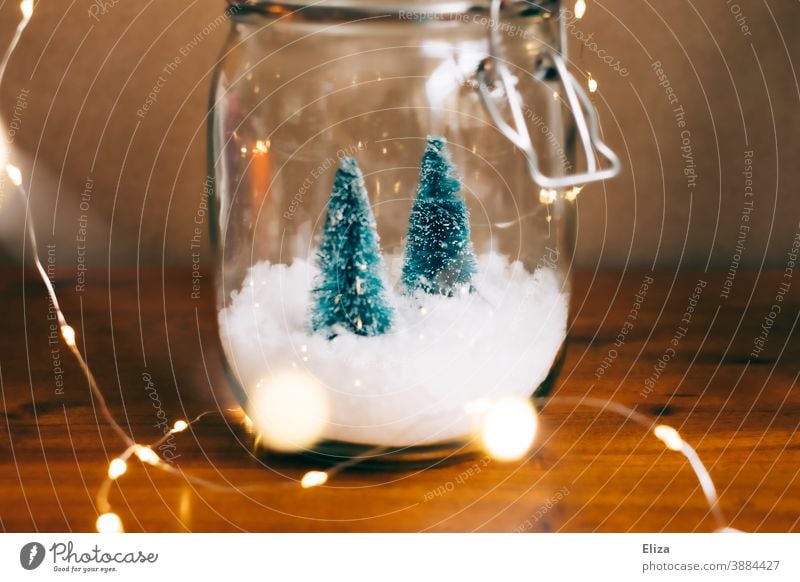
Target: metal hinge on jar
493,72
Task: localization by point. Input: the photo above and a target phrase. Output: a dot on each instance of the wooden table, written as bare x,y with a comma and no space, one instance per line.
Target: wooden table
590,471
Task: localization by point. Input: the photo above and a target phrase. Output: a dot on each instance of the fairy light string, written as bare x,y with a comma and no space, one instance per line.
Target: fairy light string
668,435
498,433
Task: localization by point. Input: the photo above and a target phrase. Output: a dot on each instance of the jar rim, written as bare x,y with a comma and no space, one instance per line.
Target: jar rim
420,9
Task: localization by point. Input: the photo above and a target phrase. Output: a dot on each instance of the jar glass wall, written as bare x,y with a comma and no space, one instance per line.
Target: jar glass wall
386,266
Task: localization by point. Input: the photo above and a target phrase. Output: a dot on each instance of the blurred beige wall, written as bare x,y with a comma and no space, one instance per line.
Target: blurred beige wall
76,83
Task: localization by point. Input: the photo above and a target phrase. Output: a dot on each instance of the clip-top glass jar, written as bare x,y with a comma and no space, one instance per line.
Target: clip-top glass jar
394,199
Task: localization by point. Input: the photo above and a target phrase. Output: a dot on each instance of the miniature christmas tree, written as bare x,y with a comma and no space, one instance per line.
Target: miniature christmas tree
349,293
439,257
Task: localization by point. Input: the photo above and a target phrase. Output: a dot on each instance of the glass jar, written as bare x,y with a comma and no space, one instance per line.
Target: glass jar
393,204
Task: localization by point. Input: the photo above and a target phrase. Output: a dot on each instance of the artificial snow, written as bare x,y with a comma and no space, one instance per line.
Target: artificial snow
420,383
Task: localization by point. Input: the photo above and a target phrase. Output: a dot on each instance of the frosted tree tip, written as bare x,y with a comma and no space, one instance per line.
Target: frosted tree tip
437,142
349,166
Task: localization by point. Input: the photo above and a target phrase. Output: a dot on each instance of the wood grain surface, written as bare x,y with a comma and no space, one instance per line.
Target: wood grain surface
590,471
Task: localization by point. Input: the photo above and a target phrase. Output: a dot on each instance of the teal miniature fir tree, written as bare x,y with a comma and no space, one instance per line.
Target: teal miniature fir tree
349,293
439,257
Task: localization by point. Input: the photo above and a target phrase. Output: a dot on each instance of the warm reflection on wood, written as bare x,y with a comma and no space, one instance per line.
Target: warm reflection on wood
589,471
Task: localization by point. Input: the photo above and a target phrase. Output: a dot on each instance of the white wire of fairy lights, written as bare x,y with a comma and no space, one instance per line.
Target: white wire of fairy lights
107,521
508,430
667,435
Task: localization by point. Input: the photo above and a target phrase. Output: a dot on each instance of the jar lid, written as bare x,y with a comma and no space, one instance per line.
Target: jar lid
408,9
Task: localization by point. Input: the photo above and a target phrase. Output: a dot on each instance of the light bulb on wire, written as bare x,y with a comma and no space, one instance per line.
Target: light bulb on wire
26,7
146,455
313,479
289,410
14,174
68,333
580,9
509,428
117,468
592,84
547,195
572,194
669,436
109,523
180,426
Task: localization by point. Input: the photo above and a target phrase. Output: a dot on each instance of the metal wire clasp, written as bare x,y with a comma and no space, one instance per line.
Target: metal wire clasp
493,71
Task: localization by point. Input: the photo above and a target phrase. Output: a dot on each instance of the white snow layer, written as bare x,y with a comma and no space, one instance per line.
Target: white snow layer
419,383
